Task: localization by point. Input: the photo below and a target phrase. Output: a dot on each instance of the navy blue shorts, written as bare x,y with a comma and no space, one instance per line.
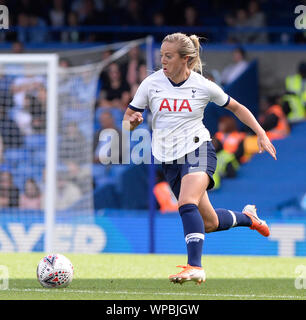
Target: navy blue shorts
203,159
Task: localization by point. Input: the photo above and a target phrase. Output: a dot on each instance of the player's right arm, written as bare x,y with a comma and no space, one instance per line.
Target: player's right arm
132,119
133,114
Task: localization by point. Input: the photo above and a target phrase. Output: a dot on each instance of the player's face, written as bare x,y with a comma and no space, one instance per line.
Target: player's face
172,63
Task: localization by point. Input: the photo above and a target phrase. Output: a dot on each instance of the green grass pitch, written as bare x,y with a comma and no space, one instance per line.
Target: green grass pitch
137,277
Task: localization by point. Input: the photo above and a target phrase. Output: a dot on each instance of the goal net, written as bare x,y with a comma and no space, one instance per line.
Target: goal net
52,109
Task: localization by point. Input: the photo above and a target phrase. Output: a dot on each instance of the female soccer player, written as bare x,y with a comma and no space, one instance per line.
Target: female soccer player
177,96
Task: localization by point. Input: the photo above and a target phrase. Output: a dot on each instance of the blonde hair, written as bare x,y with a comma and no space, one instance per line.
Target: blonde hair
188,46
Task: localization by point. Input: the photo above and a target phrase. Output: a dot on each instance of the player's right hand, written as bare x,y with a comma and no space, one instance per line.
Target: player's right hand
136,119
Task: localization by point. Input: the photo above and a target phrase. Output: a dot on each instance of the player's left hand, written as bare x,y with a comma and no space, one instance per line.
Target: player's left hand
264,144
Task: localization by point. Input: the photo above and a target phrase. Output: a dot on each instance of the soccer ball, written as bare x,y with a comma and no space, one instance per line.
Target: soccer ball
54,271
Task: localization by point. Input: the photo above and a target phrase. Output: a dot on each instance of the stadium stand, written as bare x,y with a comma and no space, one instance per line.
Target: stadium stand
97,21
266,182
85,23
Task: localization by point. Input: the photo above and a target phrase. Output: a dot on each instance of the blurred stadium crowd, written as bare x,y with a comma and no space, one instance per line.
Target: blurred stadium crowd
218,17
23,99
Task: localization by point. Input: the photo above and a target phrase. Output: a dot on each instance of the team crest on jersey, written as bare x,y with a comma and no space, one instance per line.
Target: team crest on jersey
175,106
193,93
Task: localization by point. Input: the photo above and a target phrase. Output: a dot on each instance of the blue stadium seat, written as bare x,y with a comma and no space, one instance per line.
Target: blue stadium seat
39,157
35,142
14,156
25,171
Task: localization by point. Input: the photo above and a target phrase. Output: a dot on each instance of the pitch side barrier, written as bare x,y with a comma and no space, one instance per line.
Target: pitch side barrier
126,231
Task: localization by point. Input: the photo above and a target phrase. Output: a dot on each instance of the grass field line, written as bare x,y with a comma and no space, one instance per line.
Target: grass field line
254,296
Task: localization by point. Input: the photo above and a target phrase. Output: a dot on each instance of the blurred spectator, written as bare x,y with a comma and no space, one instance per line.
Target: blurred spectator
31,118
64,63
142,73
25,90
72,139
38,112
234,70
237,20
131,67
227,164
80,175
23,21
89,13
38,34
68,193
72,21
9,131
273,119
191,17
256,19
133,14
23,116
230,139
26,84
253,17
9,193
91,16
158,20
114,87
57,15
6,97
86,89
102,137
295,98
31,197
4,198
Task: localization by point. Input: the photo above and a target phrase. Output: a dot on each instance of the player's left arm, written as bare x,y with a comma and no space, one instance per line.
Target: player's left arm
245,116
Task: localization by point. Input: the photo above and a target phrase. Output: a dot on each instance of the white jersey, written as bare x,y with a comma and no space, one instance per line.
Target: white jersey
177,112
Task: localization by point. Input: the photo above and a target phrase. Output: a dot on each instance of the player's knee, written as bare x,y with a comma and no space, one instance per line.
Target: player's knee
184,201
211,226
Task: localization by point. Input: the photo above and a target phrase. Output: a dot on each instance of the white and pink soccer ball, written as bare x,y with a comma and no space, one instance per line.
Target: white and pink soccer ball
54,271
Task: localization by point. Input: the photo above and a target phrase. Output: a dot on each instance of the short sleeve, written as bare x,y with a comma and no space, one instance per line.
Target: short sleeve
141,99
218,96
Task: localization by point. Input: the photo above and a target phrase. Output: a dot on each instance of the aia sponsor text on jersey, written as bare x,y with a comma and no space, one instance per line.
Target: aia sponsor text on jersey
175,105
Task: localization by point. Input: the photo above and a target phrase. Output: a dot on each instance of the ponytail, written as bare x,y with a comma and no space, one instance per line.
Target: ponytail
187,46
195,62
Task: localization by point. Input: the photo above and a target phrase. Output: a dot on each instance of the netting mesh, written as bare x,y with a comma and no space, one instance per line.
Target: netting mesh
94,89
77,96
22,131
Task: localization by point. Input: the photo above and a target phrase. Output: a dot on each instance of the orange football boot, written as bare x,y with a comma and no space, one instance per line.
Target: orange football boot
257,224
189,273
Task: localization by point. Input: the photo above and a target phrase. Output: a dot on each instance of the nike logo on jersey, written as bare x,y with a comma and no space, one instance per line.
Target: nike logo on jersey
157,90
176,106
